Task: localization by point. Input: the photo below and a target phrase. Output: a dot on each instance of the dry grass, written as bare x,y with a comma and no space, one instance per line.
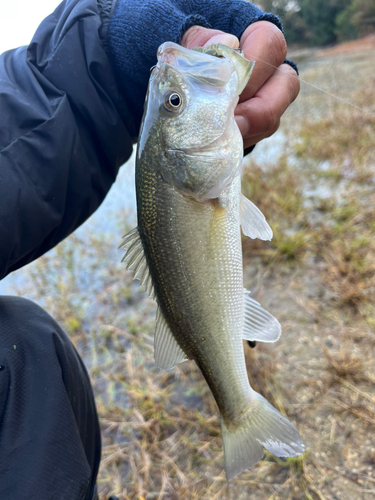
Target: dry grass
161,433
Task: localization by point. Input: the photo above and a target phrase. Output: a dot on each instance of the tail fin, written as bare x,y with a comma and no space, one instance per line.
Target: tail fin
262,427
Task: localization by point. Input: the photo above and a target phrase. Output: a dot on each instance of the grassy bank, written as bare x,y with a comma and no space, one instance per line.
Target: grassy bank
318,277
161,434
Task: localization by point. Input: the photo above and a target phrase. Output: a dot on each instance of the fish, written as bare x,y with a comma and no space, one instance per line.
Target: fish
186,249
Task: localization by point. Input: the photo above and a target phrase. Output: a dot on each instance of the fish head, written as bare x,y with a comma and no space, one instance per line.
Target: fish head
189,117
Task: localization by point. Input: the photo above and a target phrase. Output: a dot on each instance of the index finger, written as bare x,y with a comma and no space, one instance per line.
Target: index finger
265,44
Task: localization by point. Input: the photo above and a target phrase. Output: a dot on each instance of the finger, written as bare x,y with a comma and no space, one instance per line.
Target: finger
197,36
265,44
259,115
251,141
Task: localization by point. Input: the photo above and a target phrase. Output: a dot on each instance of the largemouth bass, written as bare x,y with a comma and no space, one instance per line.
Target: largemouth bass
186,249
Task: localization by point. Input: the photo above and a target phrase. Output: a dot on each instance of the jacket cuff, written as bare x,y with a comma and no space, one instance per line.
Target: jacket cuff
292,65
248,150
106,10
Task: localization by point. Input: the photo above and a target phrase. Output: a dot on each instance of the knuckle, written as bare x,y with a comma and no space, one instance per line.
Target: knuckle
274,128
275,41
293,81
191,36
278,45
270,120
271,131
272,38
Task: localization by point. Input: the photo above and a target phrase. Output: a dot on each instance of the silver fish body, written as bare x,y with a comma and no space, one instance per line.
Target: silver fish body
187,246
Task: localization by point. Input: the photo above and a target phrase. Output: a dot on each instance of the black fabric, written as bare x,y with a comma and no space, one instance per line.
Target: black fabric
49,430
292,64
248,150
64,131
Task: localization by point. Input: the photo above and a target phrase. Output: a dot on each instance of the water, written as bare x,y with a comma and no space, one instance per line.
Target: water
120,198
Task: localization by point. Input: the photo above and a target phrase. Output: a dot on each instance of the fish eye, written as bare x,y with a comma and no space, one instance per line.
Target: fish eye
172,101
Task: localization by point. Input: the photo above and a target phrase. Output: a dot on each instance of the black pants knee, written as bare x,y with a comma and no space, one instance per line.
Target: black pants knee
49,430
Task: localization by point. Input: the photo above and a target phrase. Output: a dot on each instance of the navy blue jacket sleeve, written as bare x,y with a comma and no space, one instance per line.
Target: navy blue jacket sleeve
64,131
71,105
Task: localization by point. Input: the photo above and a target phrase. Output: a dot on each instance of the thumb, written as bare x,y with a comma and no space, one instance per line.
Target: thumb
197,36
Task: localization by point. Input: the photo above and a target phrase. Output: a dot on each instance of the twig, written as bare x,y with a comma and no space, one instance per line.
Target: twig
355,389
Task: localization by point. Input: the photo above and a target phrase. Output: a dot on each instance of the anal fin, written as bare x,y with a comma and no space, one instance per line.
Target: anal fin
167,351
259,324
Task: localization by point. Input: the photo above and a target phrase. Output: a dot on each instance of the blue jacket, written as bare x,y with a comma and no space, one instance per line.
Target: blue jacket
71,105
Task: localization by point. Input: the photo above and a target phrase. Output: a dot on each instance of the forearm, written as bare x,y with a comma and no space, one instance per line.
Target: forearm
64,132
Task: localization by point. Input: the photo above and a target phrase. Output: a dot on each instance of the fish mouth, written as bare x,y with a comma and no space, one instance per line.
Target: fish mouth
203,67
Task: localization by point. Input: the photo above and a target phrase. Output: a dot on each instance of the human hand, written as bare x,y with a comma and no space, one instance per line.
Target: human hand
270,91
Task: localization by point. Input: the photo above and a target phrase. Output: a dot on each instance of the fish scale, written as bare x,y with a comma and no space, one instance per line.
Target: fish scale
187,246
182,286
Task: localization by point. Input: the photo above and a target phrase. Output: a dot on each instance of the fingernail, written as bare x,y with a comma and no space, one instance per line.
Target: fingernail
243,124
226,39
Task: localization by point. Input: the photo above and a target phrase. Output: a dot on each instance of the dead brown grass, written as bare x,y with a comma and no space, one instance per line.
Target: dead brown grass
365,43
161,433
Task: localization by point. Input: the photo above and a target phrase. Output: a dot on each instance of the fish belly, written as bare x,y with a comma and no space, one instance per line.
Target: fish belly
195,260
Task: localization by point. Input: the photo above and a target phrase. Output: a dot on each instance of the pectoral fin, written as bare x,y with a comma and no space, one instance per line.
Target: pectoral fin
253,222
135,260
167,351
259,324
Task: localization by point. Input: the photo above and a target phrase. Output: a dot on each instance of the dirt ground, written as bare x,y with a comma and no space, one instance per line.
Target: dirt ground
365,43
